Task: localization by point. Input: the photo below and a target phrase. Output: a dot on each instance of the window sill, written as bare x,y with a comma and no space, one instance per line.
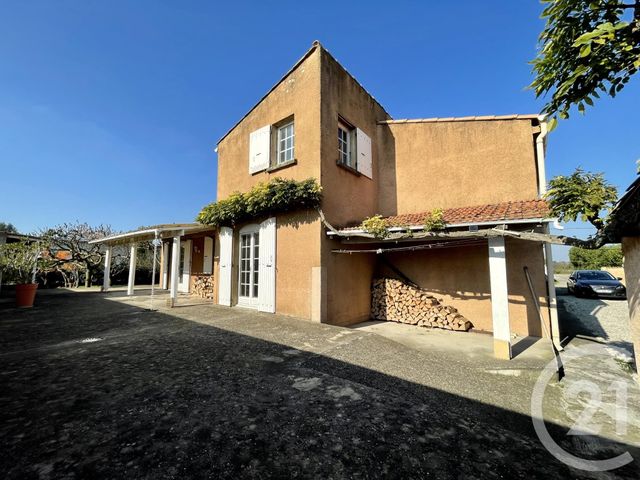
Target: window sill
282,165
348,168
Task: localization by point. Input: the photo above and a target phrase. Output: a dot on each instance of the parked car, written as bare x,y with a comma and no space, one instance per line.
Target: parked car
595,283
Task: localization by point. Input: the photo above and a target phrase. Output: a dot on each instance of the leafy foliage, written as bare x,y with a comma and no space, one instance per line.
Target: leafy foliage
266,198
8,227
594,259
586,46
376,226
19,261
581,194
435,221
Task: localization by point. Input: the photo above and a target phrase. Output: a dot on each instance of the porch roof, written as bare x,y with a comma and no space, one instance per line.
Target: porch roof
528,211
165,230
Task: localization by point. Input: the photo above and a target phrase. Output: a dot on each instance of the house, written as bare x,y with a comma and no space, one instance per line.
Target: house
624,226
485,173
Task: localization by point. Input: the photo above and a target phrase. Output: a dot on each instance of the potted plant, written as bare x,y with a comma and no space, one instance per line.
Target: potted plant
19,261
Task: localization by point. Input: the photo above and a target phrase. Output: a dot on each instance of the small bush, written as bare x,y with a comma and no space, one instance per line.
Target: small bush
435,221
376,226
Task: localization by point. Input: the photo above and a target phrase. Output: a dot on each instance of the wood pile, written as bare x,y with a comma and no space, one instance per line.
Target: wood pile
203,286
396,301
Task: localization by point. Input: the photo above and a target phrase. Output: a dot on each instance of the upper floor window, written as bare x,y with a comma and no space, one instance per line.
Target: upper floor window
354,149
285,144
345,144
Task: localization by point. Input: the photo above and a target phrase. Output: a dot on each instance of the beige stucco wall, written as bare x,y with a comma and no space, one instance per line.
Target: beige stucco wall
460,277
297,95
456,164
298,235
297,252
631,251
348,198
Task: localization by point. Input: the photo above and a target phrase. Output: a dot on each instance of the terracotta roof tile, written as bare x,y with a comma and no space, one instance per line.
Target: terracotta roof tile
519,210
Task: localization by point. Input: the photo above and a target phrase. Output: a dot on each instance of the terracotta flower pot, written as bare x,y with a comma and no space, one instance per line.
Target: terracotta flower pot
26,294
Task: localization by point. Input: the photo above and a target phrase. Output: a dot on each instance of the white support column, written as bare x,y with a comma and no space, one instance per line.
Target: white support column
499,298
552,301
106,280
175,269
165,265
132,269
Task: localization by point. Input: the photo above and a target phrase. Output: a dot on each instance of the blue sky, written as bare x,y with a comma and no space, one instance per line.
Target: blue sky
110,111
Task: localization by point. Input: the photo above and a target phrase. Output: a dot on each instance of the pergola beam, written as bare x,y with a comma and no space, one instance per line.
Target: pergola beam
363,238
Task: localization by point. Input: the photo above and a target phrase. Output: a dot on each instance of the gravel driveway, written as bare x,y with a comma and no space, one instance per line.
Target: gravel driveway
604,320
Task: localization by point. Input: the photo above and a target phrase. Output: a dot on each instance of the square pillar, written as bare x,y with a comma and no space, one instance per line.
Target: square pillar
175,267
553,302
631,251
499,298
165,265
132,269
106,280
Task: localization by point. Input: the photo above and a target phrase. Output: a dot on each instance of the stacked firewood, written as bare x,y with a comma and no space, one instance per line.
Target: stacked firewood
203,286
396,301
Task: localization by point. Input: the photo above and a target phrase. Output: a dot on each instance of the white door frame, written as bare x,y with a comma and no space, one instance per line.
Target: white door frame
247,283
185,277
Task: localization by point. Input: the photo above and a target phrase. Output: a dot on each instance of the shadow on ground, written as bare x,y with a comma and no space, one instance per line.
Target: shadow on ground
94,388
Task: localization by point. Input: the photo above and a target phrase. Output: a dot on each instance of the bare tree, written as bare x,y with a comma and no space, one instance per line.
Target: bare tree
70,252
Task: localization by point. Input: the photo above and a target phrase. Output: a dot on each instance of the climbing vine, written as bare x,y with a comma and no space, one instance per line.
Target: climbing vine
276,196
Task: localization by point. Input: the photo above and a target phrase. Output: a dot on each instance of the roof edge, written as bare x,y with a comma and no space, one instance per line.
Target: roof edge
475,118
316,44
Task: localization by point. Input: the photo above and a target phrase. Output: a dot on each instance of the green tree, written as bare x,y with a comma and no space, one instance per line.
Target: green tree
582,194
8,227
595,259
586,47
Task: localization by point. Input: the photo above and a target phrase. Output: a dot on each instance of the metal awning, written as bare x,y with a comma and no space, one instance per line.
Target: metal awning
167,230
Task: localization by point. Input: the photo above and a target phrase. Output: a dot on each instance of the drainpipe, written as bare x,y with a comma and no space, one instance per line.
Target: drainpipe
540,144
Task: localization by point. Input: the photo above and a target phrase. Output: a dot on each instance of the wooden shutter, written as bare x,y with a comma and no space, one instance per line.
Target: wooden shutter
226,255
267,269
207,261
364,162
259,149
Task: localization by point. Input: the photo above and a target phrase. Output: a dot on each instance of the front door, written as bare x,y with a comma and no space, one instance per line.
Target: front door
184,274
248,288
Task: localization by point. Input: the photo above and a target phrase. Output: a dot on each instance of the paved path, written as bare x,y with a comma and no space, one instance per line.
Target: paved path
91,387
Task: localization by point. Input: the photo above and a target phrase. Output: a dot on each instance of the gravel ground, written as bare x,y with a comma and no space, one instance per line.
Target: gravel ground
96,388
601,319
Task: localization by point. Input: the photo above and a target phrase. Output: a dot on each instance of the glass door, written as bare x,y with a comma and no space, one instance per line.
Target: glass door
249,268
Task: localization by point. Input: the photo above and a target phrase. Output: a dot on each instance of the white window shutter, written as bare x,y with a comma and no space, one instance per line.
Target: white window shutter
364,162
226,255
207,261
267,270
259,149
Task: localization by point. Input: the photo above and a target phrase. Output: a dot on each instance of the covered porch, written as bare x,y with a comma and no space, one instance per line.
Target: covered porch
185,263
492,267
